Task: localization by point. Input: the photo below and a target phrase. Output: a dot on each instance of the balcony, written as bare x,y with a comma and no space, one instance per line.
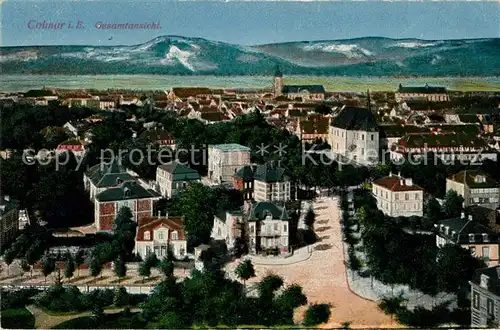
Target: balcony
269,233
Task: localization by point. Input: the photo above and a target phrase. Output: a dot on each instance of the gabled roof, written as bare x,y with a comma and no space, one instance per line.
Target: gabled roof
180,172
108,175
126,191
260,210
432,140
422,90
152,223
356,119
459,230
269,173
246,172
474,179
389,131
313,89
396,183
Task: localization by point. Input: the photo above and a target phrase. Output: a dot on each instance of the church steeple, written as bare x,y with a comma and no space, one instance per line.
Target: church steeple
368,100
278,82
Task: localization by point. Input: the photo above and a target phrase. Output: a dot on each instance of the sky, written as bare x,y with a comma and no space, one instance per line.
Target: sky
244,23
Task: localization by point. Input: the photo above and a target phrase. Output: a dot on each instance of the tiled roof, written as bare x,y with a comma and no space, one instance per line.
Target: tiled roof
212,116
180,172
351,118
269,173
315,126
258,211
474,179
104,175
459,230
400,130
152,223
396,183
246,172
184,92
314,89
125,191
422,90
460,128
441,141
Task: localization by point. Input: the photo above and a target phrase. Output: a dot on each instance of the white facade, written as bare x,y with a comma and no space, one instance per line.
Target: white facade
271,233
400,202
225,160
161,237
360,146
272,191
227,229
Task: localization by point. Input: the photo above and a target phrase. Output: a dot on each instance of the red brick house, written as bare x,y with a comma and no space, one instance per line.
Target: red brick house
128,194
158,234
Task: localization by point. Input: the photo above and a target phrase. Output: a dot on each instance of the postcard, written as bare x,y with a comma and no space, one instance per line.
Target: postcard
249,164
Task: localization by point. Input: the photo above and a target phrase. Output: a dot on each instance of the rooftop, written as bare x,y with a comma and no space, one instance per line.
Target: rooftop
108,175
260,210
180,172
397,184
129,190
358,119
461,230
422,90
314,89
230,147
474,179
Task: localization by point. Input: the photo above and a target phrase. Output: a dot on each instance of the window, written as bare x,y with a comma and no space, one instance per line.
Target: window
486,253
275,227
362,137
362,151
396,196
159,235
490,306
147,235
285,229
407,197
472,250
371,136
476,300
416,196
175,236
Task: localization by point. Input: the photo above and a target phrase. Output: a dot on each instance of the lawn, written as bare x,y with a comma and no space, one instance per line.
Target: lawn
17,318
109,321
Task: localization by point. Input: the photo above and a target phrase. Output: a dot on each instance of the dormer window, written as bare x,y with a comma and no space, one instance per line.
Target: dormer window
471,238
480,178
485,238
147,235
128,193
175,236
484,281
119,181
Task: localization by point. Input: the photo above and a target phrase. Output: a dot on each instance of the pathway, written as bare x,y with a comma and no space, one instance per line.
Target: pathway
47,321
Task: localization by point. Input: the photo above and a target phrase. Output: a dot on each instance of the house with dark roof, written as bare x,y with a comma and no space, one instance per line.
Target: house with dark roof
470,235
485,298
476,188
354,134
429,93
159,234
268,228
267,182
173,177
159,137
313,128
129,194
228,226
103,176
9,220
398,197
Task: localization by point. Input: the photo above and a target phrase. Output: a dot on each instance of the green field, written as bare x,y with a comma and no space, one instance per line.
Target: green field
19,83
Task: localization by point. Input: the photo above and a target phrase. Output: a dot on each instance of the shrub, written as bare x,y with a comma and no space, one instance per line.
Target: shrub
18,298
19,318
317,314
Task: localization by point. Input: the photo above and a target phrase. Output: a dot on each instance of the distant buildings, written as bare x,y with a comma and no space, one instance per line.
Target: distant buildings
354,134
470,235
9,219
159,234
398,197
485,298
429,93
476,188
173,177
224,160
293,92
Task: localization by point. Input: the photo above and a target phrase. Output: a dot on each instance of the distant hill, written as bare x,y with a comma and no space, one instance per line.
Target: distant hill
174,55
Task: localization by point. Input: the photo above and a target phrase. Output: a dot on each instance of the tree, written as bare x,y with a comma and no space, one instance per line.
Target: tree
95,267
144,270
152,260
121,297
392,306
453,204
120,268
269,284
245,270
79,259
310,217
8,257
25,266
167,267
346,325
48,266
292,297
432,213
317,314
33,254
69,269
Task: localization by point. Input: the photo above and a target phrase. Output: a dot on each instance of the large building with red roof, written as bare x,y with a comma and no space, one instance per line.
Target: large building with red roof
398,197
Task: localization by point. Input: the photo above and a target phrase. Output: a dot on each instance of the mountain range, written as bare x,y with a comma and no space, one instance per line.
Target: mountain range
175,55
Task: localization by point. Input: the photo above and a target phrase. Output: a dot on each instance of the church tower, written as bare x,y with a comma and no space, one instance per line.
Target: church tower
278,82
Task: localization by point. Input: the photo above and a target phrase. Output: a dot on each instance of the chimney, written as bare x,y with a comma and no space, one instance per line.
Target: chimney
409,182
402,182
6,198
470,217
462,215
390,173
399,174
159,214
166,215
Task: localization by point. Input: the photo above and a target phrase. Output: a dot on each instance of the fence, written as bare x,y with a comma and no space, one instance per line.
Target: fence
133,289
